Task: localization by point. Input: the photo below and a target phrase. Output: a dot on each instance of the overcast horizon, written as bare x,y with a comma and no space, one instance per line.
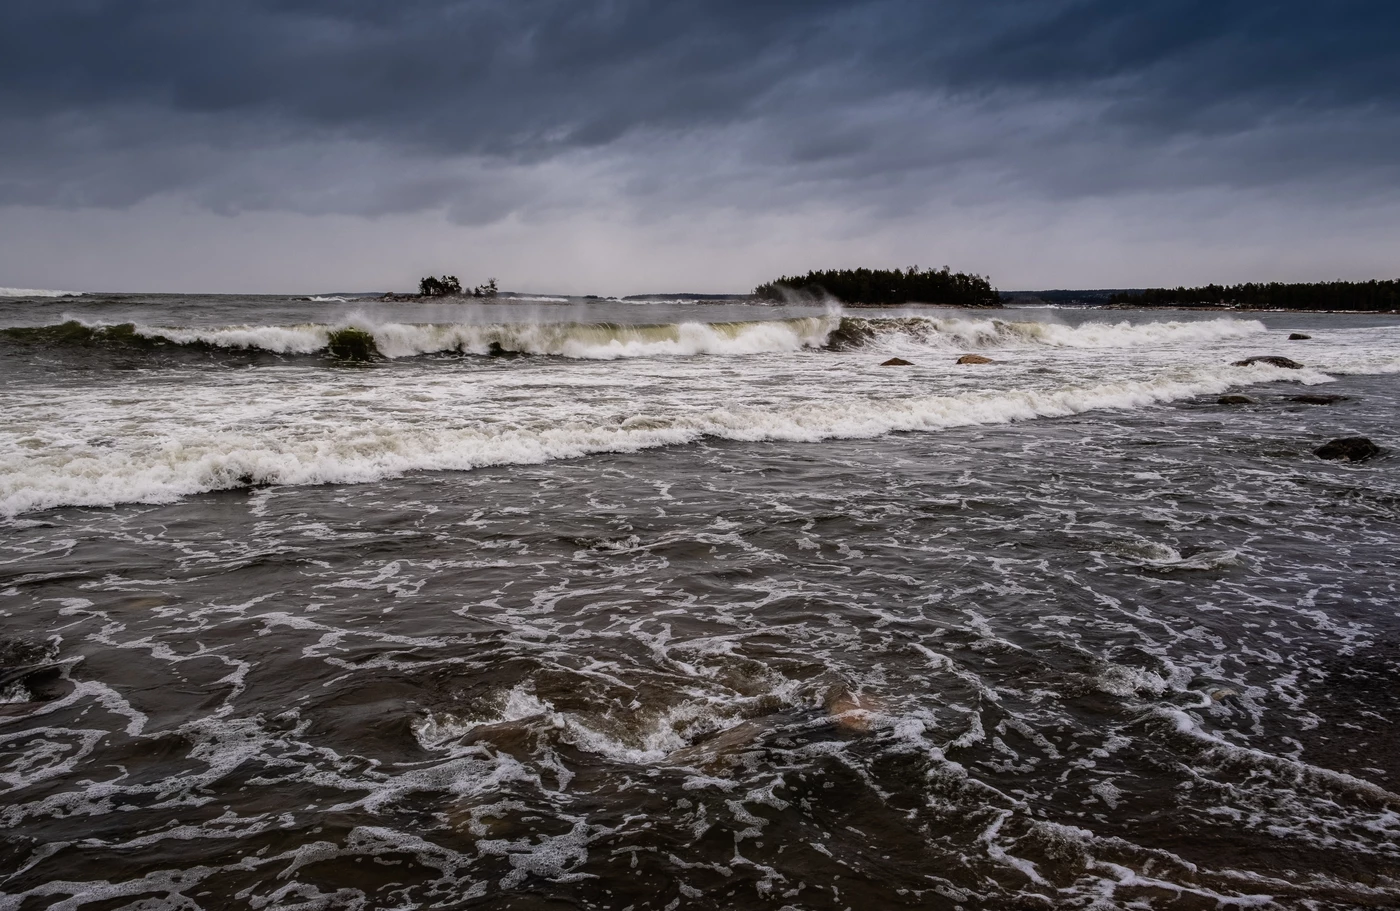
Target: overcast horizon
613,148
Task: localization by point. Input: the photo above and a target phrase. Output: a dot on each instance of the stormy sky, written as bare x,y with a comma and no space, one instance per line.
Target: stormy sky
618,146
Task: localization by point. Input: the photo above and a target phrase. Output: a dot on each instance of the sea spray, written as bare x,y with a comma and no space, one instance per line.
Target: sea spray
361,338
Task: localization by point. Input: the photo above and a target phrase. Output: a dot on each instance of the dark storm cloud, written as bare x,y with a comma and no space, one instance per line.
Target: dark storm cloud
357,106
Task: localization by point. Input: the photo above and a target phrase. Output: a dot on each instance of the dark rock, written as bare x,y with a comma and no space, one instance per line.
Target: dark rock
1348,449
897,362
1234,399
1317,399
496,349
1271,359
975,359
352,344
1299,337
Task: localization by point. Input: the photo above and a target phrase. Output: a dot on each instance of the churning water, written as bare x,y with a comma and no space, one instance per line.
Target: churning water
333,604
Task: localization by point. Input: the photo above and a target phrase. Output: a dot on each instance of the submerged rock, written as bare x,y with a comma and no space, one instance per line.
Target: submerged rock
1315,399
851,711
722,749
897,362
1348,449
1299,337
975,359
1235,399
1271,359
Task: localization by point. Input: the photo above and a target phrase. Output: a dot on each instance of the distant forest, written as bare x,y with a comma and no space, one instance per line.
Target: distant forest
1372,295
887,286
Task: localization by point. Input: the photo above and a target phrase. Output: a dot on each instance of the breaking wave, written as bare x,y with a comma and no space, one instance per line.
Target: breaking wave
607,341
37,292
1000,333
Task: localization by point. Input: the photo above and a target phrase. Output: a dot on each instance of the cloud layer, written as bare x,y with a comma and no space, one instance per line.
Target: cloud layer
483,112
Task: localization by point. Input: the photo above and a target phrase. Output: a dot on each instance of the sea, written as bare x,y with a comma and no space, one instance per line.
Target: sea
551,603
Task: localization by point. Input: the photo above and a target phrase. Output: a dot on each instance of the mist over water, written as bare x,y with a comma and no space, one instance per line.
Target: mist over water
605,605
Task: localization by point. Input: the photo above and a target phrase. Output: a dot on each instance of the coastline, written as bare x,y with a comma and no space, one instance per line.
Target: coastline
1213,308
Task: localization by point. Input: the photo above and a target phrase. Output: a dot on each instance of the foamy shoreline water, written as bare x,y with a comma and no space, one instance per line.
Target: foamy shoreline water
696,607
213,438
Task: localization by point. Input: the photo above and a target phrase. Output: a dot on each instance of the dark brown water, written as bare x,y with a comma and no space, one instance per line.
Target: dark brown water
1134,654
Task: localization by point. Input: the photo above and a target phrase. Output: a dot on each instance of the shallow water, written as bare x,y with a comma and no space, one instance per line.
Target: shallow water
696,616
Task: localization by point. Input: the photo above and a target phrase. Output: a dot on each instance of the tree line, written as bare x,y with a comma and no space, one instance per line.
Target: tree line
449,286
886,286
1372,295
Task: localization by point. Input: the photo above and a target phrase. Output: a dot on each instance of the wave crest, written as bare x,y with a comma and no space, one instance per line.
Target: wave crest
37,292
854,332
587,341
608,341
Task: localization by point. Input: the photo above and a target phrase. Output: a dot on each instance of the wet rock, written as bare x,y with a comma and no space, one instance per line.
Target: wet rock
1272,360
1299,337
1348,449
975,359
851,711
1234,399
1312,399
897,362
722,749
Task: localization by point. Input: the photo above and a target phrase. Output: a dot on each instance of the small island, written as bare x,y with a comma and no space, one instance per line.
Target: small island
448,286
885,287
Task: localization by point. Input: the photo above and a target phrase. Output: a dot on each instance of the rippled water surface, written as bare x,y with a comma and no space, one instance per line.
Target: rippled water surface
677,605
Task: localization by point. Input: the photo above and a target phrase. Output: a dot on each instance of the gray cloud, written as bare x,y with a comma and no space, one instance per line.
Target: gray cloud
487,110
527,80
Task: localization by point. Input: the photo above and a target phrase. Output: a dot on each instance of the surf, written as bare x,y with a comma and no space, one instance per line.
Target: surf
612,341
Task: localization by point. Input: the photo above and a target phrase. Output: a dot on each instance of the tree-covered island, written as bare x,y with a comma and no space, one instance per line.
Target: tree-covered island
886,287
1369,296
445,286
449,286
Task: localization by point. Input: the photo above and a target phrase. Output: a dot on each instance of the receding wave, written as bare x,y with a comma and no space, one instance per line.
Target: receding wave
37,292
137,470
605,341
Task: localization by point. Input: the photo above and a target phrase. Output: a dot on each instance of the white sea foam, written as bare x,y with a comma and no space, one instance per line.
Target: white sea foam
304,339
650,740
609,341
349,447
600,341
999,333
1134,335
435,731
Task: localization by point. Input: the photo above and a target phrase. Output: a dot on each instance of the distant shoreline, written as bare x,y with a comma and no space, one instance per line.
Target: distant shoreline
1217,308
